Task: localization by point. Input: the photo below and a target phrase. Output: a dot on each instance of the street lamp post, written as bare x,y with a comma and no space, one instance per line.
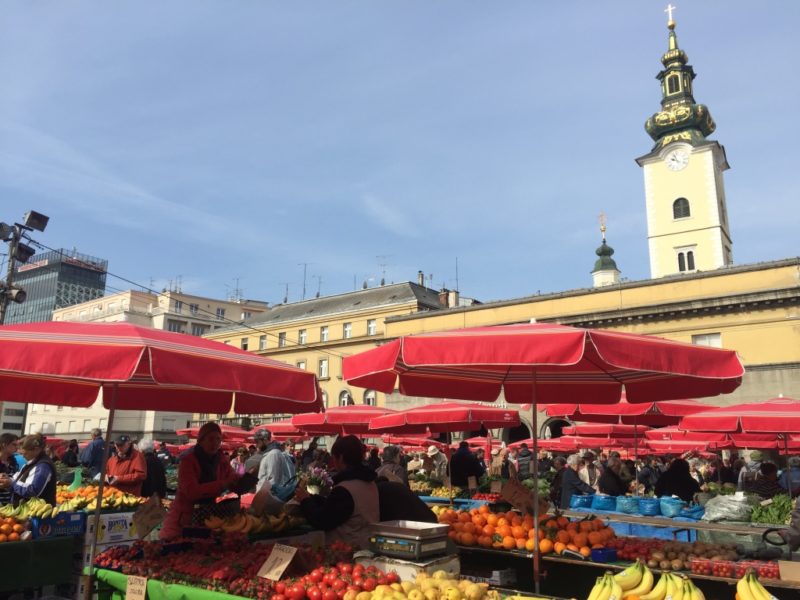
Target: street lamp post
17,251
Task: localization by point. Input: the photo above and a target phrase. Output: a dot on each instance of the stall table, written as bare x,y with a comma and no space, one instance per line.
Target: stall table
37,563
112,585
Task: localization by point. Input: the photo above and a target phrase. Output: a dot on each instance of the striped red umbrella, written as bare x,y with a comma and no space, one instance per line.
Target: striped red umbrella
140,368
653,414
342,420
604,429
446,417
777,415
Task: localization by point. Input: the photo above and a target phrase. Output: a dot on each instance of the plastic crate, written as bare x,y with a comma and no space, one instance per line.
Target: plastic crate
628,504
581,501
602,502
604,555
650,507
63,524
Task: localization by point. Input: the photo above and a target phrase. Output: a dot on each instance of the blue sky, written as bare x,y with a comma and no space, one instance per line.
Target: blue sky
220,139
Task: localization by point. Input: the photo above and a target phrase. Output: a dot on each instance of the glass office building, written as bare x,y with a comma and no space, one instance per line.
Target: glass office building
56,279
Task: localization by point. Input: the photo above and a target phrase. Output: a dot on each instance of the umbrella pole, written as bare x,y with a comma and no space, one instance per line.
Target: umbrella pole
635,455
535,469
106,451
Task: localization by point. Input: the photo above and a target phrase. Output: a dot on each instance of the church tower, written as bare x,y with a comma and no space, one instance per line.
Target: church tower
605,270
687,223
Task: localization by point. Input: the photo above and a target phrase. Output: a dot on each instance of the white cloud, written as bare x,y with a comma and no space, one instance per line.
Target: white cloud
388,216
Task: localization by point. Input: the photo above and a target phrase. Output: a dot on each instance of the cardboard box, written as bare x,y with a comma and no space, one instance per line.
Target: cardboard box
408,570
503,577
66,523
114,527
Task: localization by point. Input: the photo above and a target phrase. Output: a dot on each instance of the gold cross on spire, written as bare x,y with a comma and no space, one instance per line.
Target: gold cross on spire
602,220
670,20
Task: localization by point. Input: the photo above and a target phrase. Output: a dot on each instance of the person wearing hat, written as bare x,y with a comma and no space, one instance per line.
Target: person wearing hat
790,478
127,469
750,472
203,474
436,463
92,455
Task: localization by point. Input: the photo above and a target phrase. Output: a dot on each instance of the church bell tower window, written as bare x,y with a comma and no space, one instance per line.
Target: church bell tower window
680,209
673,84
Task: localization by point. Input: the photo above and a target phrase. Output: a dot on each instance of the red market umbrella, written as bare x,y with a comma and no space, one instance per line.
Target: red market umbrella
139,368
341,420
282,431
652,414
673,433
778,415
446,417
544,363
412,441
604,429
229,433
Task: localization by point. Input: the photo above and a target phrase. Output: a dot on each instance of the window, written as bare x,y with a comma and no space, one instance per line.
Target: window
87,425
220,313
370,398
112,307
168,425
680,209
372,326
193,308
245,343
685,259
673,84
323,333
57,428
103,423
347,330
323,368
14,412
708,339
301,364
175,326
345,399
246,314
199,330
15,426
179,306
282,339
83,315
59,407
262,342
72,426
302,336
324,398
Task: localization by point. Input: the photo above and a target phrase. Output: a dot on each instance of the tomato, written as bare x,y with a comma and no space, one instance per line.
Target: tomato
280,588
345,568
313,593
392,577
296,592
358,571
339,585
329,595
315,576
370,584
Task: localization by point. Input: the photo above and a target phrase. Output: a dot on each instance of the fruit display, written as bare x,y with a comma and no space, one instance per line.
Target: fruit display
750,588
85,498
443,491
489,497
675,556
28,509
422,488
244,522
13,529
724,568
512,531
637,580
438,586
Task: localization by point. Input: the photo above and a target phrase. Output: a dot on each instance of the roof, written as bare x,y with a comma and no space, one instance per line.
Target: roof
399,293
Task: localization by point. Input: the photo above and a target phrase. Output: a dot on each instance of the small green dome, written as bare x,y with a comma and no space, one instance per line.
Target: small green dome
605,262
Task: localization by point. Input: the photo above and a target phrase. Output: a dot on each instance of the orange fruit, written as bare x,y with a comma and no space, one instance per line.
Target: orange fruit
491,519
551,524
563,536
546,546
517,532
464,517
598,524
468,539
503,530
562,521
509,543
580,539
585,551
521,543
595,537
530,545
479,520
484,509
502,521
5,528
585,526
3,538
18,528
559,547
13,537
488,530
453,535
573,547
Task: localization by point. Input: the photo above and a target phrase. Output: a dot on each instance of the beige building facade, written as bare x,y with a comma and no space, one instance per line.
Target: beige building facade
170,310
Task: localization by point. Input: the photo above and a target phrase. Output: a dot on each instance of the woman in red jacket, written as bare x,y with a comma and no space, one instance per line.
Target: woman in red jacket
203,474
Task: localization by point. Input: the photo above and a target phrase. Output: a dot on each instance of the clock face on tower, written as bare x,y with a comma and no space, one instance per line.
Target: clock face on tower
677,160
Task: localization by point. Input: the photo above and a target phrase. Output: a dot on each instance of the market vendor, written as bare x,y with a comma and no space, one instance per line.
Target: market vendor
127,469
203,474
346,513
677,481
37,479
8,464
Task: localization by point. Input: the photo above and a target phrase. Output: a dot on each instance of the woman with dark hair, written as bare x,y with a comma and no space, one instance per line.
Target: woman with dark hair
346,513
678,481
37,479
203,474
8,464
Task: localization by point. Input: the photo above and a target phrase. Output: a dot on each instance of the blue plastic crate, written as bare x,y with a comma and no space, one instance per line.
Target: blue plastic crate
581,501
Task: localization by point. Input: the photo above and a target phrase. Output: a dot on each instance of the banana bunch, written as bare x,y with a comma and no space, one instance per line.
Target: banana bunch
674,587
606,588
750,588
247,523
636,580
29,509
444,491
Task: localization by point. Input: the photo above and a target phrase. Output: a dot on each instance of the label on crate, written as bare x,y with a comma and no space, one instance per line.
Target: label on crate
276,562
472,482
136,589
496,487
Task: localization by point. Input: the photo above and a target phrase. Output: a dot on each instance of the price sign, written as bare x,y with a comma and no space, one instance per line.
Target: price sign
472,482
276,562
496,487
136,589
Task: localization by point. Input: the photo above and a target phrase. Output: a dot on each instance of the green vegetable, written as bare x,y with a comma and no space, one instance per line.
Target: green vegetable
776,513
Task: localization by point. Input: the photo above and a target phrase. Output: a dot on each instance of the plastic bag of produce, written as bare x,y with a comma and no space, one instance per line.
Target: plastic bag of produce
603,502
671,507
728,508
628,504
581,501
650,507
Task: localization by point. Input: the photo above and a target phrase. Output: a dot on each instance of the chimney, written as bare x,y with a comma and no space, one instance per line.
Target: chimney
452,299
420,278
443,297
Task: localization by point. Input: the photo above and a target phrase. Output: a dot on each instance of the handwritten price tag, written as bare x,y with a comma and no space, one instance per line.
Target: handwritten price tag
276,562
472,482
496,487
136,589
